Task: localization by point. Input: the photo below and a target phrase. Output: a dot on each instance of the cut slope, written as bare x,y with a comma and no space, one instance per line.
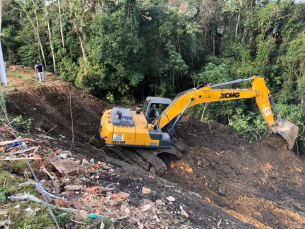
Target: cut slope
264,182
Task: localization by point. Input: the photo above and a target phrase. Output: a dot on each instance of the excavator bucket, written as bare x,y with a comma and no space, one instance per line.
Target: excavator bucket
287,130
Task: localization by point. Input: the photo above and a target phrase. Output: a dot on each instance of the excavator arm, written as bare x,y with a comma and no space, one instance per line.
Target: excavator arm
206,94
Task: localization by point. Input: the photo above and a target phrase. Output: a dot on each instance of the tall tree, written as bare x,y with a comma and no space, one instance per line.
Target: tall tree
77,11
27,7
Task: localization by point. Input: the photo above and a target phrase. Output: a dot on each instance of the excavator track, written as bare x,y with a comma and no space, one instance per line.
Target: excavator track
145,159
158,167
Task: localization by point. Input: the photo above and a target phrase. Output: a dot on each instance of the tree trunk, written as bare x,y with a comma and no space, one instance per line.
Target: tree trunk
36,30
238,18
42,52
37,33
52,50
0,15
81,40
82,44
214,48
79,29
61,29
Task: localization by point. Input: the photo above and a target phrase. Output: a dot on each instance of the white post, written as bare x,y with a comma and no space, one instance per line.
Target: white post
2,67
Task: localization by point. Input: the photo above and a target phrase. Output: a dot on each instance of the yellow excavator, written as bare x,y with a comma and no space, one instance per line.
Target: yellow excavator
145,134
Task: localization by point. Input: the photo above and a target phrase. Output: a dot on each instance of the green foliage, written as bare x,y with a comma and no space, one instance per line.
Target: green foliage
25,226
211,73
62,136
2,198
22,122
63,219
250,124
19,166
154,48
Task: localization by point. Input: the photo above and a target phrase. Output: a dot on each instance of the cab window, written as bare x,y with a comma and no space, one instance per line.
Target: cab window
145,106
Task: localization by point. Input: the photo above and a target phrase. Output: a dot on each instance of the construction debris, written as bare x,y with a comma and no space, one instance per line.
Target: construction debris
25,196
170,198
6,223
65,166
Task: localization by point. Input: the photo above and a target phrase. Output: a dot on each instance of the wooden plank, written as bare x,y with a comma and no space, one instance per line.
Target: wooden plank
25,150
9,142
21,158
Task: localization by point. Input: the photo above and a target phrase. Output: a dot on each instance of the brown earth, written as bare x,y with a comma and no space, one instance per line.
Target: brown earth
261,184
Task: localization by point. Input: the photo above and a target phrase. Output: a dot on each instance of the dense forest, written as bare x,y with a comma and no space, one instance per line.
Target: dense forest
123,51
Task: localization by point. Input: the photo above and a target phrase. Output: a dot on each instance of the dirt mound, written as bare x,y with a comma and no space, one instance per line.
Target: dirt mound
274,141
261,184
51,105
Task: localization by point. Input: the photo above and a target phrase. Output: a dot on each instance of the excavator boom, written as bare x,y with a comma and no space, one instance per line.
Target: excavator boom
206,94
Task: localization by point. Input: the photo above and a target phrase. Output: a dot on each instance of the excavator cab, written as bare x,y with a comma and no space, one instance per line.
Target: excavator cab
154,106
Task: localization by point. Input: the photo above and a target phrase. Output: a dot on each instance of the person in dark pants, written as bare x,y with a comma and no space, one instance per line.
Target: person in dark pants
40,71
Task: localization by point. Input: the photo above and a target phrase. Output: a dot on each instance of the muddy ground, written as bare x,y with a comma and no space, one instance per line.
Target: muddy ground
261,184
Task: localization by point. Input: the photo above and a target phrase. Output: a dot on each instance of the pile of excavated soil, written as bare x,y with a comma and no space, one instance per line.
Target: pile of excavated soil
53,104
260,184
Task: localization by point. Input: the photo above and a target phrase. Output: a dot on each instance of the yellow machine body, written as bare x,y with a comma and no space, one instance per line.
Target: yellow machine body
133,129
127,136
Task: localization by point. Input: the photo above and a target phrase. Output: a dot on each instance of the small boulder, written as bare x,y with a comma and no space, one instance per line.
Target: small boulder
222,190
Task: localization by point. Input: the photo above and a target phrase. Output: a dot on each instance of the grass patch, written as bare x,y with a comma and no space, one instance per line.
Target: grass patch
25,76
29,214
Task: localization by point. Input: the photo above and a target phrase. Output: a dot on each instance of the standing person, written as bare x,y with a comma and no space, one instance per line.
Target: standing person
40,71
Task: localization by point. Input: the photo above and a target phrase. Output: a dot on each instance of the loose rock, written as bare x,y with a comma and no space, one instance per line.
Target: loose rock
72,187
85,162
145,190
81,215
146,207
222,190
123,195
159,202
170,198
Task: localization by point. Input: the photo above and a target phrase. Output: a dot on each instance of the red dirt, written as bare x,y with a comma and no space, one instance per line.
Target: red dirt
264,182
